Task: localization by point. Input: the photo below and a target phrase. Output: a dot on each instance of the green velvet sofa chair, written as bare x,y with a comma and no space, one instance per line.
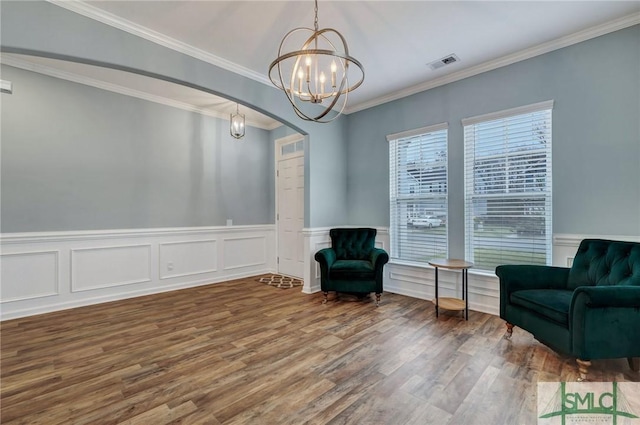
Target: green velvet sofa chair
353,264
589,311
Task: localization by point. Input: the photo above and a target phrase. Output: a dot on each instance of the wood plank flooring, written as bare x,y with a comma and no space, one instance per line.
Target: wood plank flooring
241,352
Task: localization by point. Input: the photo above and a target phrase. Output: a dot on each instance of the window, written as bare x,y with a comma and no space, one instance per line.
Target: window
293,147
418,194
508,187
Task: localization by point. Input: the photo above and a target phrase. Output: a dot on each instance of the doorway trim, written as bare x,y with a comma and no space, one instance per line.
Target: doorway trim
296,139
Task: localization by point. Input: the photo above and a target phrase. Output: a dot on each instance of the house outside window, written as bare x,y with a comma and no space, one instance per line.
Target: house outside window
508,210
418,194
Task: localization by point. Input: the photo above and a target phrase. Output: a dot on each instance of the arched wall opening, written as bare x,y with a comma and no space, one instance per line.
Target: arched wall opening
43,29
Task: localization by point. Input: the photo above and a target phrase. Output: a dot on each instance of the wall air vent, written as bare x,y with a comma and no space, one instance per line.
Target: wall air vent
6,86
447,60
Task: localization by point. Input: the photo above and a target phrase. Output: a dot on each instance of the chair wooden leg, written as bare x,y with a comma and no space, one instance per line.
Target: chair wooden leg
326,296
509,331
583,369
634,363
378,299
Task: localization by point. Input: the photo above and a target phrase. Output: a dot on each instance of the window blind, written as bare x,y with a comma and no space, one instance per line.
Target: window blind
508,188
418,194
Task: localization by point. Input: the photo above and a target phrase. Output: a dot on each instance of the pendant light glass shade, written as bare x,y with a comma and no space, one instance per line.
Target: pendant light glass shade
237,124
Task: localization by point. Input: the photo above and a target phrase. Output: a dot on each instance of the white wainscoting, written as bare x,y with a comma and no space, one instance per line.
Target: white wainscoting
44,272
484,288
565,246
243,252
104,267
406,279
188,258
27,275
418,281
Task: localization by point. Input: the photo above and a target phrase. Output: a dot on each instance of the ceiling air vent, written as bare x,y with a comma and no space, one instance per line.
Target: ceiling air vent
447,60
6,87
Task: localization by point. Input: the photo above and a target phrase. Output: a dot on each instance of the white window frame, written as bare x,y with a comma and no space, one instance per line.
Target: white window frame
404,247
507,246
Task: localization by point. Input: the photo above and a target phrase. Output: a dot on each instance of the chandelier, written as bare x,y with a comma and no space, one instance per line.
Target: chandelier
317,74
236,127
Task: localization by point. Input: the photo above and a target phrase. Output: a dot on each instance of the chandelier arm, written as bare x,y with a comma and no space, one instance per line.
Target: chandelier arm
325,112
329,108
325,52
317,118
320,33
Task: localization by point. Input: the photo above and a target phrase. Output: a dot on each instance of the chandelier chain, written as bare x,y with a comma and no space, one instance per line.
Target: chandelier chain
315,22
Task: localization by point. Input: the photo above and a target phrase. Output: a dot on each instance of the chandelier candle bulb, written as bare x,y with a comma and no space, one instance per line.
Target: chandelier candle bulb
300,77
334,68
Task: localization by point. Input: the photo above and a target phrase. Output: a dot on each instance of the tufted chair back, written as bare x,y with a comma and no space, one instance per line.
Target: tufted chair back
601,262
353,244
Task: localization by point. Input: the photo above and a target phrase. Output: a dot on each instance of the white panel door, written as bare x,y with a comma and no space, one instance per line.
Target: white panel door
290,216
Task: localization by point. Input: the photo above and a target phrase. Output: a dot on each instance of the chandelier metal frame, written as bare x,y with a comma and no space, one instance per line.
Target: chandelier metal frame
310,54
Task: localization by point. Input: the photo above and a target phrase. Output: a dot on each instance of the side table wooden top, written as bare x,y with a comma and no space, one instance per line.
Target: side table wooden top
451,263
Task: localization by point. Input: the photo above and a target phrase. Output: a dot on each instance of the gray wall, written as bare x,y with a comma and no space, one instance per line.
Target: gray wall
41,28
596,135
80,158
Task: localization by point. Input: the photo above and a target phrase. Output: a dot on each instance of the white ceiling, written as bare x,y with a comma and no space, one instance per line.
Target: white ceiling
394,40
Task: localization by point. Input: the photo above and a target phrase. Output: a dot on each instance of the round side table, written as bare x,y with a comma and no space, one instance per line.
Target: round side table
453,303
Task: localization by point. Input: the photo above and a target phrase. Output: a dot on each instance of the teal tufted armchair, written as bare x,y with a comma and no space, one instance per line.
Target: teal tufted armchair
353,264
589,311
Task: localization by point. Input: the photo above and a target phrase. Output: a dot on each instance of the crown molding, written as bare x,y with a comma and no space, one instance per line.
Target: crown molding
115,88
85,9
571,39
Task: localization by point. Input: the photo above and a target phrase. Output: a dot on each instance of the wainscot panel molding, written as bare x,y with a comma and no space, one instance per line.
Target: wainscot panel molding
243,252
50,271
484,288
29,274
186,258
565,246
104,267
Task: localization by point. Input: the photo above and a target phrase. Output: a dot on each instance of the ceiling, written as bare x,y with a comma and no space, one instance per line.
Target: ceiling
394,40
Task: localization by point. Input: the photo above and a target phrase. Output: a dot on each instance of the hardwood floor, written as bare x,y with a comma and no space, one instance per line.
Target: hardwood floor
242,352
